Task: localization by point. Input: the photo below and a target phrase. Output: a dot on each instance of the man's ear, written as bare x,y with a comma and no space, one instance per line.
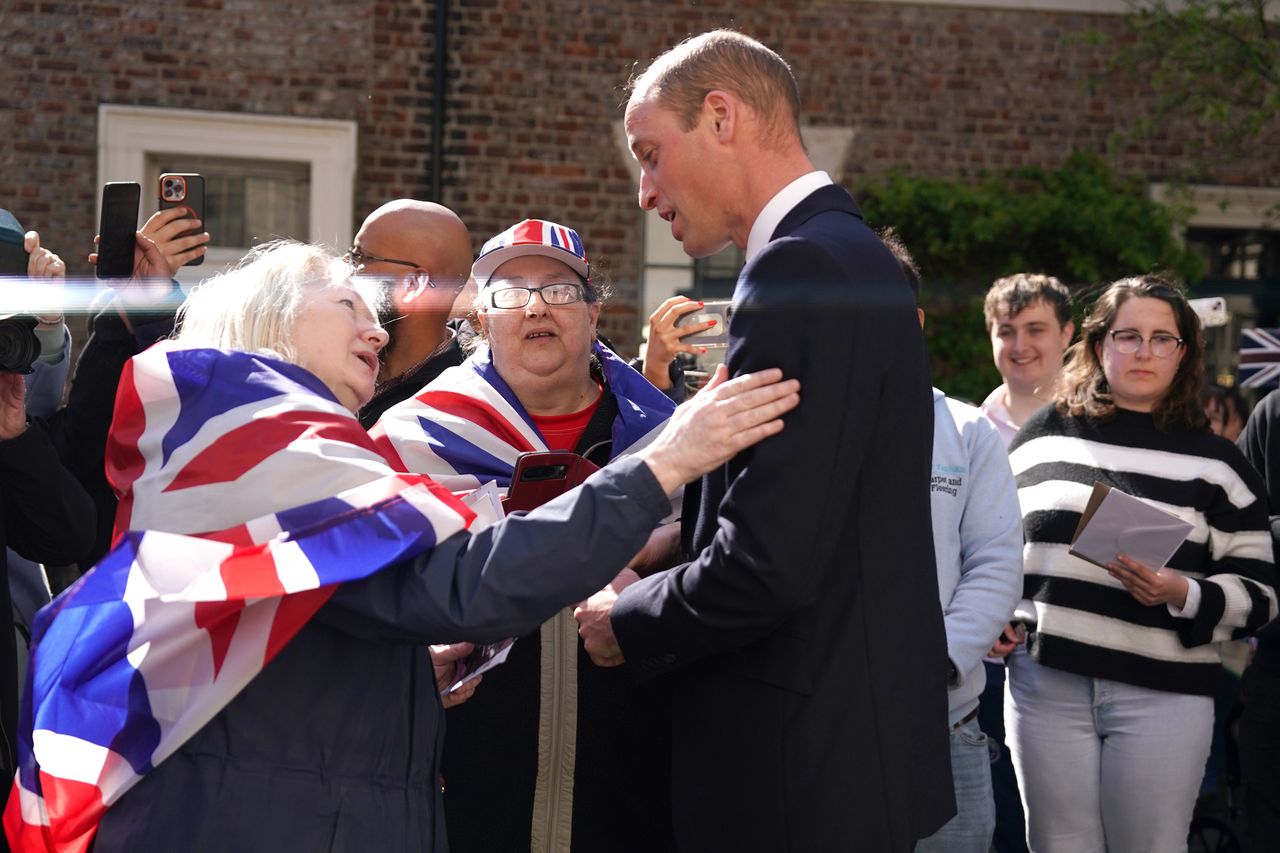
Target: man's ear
413,285
722,111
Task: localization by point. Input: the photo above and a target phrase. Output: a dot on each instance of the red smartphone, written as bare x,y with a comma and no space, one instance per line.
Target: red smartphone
184,190
541,476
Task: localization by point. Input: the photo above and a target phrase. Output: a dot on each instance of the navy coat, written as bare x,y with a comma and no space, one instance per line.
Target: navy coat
810,706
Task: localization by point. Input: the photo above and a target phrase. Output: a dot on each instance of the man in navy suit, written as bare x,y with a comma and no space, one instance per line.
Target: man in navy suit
802,639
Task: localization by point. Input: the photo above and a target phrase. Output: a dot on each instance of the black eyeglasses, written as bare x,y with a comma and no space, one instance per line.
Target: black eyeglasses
552,294
1128,342
357,257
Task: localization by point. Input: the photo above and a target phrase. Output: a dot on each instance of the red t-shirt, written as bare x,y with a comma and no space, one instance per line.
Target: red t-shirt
562,432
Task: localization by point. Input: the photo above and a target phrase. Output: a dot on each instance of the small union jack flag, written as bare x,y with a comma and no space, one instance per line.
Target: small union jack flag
1259,358
286,497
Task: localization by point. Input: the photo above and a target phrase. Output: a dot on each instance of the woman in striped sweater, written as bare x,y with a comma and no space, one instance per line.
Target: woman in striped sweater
1109,708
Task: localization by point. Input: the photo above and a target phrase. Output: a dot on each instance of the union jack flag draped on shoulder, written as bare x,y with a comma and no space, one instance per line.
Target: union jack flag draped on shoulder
467,427
270,494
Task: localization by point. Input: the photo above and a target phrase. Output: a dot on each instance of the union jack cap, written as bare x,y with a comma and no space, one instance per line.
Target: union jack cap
532,237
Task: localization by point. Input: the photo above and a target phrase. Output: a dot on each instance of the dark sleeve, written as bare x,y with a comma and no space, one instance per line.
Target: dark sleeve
48,517
1255,443
79,430
799,310
509,578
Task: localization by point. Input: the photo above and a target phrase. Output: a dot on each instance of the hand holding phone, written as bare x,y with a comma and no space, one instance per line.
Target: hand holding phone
116,230
185,190
673,330
714,319
1011,636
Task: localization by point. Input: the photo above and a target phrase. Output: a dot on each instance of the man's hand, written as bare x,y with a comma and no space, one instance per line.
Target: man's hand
594,625
13,406
660,552
444,660
168,229
1149,586
665,338
41,263
1010,638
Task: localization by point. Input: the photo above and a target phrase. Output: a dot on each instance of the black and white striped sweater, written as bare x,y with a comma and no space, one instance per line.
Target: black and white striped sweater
1087,623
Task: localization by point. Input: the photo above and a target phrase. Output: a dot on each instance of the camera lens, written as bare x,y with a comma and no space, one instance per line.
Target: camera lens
19,348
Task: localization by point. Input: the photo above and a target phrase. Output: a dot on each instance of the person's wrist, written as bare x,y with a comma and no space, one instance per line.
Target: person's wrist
10,432
664,470
660,379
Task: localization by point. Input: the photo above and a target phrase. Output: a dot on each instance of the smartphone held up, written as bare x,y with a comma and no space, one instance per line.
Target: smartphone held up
184,190
116,228
717,335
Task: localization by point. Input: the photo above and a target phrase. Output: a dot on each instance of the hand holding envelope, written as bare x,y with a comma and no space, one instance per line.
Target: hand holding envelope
1150,586
1128,537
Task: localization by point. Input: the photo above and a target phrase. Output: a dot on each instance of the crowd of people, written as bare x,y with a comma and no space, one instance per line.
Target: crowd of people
819,605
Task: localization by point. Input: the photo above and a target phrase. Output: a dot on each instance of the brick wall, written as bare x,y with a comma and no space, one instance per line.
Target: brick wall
534,94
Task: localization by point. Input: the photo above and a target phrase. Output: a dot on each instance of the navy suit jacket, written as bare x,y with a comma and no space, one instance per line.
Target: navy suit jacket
804,640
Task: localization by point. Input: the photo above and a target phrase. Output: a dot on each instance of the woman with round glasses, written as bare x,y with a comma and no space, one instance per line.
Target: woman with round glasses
1109,708
552,751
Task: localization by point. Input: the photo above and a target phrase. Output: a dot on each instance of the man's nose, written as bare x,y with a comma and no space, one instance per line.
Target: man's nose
648,194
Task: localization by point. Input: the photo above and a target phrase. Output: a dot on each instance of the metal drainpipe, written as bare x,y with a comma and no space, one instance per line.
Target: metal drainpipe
441,69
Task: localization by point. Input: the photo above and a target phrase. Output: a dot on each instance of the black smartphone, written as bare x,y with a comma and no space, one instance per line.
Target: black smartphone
184,189
539,477
116,231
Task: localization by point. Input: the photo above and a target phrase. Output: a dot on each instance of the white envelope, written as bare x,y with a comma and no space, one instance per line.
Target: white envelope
1116,523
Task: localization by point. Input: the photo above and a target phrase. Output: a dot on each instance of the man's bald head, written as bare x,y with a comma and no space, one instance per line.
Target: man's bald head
421,254
428,234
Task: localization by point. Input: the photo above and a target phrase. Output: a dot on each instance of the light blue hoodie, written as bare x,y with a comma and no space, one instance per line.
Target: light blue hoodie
977,539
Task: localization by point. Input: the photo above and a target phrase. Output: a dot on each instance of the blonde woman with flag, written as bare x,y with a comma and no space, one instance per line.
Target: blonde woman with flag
251,672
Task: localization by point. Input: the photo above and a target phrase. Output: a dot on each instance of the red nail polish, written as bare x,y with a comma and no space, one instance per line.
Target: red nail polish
712,322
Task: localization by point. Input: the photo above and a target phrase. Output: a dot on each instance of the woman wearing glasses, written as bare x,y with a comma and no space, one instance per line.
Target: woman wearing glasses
551,751
1110,706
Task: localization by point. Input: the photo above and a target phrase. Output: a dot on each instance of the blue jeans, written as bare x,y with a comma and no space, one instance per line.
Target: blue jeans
970,830
1104,765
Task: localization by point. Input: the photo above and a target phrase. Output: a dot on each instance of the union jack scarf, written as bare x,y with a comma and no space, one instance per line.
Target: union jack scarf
466,428
269,494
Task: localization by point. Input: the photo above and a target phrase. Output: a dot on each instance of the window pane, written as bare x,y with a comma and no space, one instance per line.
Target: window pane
1237,255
